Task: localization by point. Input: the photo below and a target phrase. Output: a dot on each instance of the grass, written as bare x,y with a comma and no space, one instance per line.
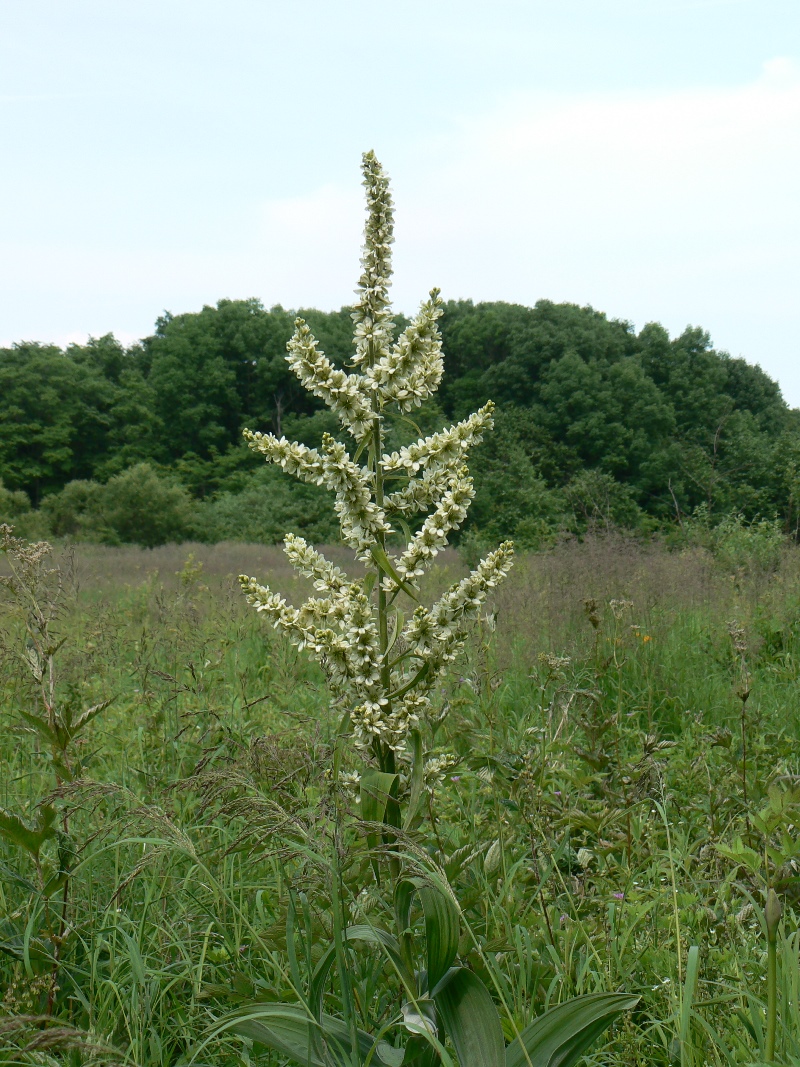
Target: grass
608,825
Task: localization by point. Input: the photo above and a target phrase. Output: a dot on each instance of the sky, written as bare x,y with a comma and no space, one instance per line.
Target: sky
639,156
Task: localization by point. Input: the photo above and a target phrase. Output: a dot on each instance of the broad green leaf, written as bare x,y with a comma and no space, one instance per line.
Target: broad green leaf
470,1018
417,778
40,726
374,935
13,829
419,1017
377,789
561,1036
442,924
389,1055
420,1053
287,1029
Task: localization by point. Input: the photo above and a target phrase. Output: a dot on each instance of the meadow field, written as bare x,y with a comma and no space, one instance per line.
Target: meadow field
623,790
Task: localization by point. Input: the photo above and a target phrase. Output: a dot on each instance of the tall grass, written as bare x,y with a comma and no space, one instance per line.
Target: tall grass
590,825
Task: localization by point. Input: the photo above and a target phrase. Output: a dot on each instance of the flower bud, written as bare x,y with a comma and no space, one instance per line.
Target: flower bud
772,915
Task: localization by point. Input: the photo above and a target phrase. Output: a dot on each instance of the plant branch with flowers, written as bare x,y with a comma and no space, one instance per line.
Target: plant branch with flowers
383,652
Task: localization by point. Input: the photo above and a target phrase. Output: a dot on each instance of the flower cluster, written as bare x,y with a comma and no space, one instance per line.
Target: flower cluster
384,681
412,370
345,394
432,537
442,449
437,635
372,314
307,561
435,769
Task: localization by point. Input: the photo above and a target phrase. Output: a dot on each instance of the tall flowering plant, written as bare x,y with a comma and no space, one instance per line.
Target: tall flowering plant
381,659
383,652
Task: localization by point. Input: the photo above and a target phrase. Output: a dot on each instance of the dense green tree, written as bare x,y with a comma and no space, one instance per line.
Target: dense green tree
55,417
581,399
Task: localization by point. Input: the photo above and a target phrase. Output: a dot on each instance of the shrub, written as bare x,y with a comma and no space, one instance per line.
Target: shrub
16,510
138,507
143,508
77,512
266,511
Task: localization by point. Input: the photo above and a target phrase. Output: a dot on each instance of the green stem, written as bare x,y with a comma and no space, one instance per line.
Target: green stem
772,999
387,760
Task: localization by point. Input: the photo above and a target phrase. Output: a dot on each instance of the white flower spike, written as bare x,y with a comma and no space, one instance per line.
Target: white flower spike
382,681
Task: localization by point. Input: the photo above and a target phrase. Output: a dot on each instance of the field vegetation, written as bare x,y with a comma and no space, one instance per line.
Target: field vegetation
433,815
614,817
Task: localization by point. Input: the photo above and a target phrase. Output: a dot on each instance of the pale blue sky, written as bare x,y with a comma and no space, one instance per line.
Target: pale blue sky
642,156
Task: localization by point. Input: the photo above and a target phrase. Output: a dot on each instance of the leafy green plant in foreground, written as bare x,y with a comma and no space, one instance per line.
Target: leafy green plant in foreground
37,590
383,653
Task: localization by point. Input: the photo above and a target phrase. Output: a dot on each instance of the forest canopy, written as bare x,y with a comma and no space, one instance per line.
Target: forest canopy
595,424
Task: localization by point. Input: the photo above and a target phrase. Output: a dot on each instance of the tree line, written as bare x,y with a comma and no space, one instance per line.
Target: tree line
595,423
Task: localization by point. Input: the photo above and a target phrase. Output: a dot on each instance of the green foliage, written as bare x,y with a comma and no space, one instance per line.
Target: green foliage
142,508
267,508
736,542
674,422
599,502
179,915
137,506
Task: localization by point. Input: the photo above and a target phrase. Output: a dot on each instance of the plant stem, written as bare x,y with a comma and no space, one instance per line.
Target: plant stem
387,759
772,918
772,999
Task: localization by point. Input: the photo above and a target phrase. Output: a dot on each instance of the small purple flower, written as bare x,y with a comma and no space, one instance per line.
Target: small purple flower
455,778
618,896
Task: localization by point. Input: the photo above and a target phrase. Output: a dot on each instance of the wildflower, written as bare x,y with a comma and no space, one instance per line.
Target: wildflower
738,637
349,783
435,770
619,607
554,664
345,625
